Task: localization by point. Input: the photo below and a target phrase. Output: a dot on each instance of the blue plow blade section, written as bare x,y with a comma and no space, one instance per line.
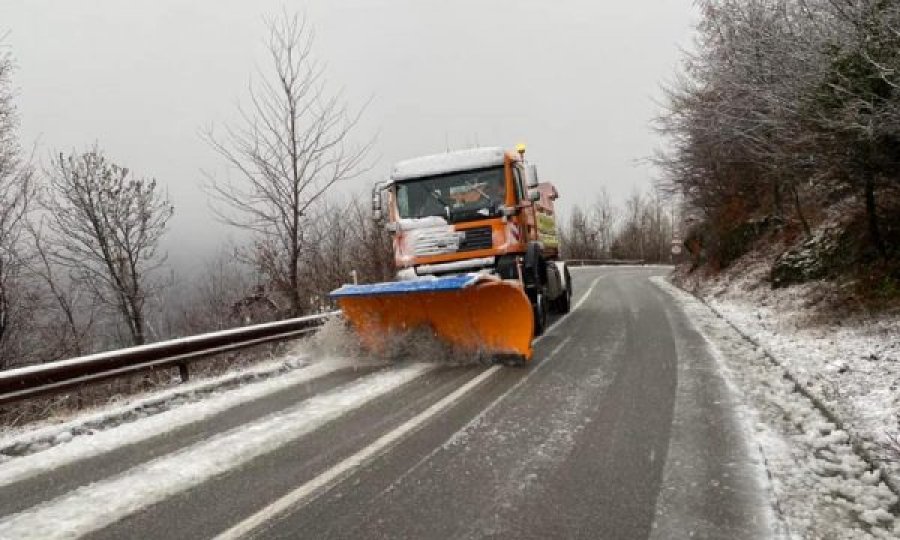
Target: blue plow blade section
449,283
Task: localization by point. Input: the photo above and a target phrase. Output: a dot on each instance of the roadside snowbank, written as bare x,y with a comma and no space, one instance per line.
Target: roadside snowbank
851,364
823,488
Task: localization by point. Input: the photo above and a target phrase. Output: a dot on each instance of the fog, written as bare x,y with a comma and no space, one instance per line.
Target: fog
578,81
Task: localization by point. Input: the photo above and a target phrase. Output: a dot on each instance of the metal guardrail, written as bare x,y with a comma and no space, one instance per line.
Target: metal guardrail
53,377
603,262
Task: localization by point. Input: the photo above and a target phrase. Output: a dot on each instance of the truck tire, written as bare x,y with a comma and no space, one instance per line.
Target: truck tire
563,304
512,360
533,271
541,313
534,275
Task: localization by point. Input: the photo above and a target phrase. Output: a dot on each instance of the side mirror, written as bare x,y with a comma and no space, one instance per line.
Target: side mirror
391,227
531,175
534,195
377,214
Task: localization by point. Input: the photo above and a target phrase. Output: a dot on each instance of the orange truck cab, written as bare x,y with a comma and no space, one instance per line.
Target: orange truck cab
478,210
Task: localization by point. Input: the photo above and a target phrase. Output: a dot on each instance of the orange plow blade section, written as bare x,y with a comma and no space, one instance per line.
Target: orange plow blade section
473,313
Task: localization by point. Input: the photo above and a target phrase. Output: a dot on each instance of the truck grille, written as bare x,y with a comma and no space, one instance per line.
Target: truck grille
434,241
478,238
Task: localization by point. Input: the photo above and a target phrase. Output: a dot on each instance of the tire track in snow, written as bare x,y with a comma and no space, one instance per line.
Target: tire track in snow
78,512
82,447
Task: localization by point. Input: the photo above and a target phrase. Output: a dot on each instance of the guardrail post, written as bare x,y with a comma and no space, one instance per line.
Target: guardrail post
184,372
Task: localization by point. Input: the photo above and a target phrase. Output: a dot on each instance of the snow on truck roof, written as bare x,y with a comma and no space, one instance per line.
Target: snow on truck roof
461,160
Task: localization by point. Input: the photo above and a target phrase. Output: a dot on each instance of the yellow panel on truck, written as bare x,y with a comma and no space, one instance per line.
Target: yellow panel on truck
546,217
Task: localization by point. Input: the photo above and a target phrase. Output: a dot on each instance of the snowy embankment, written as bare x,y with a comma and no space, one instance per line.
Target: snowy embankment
851,365
823,487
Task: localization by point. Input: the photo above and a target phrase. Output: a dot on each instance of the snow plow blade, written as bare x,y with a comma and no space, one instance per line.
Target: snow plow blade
471,312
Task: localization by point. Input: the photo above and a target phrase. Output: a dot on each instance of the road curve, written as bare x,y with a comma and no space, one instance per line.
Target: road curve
622,427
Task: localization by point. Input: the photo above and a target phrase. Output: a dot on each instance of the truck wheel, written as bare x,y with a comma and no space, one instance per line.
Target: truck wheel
563,304
541,313
534,273
512,360
507,268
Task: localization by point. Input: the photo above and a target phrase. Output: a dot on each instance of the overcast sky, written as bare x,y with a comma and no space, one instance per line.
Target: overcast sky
577,80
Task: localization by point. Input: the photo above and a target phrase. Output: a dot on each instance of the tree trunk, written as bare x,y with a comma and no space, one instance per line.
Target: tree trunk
294,293
4,318
872,215
139,337
134,320
799,210
777,199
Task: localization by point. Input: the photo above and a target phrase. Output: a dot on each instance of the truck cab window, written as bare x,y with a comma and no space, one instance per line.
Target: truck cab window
462,196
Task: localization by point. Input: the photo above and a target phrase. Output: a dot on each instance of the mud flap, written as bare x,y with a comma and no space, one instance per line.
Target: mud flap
472,312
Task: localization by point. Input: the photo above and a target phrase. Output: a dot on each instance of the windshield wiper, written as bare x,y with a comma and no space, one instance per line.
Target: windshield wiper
436,197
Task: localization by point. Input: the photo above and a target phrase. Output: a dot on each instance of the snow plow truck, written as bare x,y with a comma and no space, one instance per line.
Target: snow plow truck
476,251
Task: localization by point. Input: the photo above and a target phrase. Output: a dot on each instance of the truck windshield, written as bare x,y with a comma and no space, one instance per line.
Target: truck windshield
458,196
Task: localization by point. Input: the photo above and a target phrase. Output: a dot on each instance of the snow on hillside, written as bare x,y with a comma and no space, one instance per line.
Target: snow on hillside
851,364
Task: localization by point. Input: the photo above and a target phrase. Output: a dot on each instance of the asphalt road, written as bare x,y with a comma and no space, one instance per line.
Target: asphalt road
622,427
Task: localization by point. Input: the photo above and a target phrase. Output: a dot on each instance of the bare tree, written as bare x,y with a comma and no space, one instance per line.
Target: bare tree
375,254
785,107
858,106
605,217
345,240
646,229
590,233
107,226
222,295
291,146
71,310
16,193
643,229
579,238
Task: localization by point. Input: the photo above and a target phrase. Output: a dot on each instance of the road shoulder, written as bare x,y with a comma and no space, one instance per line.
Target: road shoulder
714,480
822,488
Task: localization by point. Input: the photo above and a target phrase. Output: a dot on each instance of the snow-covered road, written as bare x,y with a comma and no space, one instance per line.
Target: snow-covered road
643,415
